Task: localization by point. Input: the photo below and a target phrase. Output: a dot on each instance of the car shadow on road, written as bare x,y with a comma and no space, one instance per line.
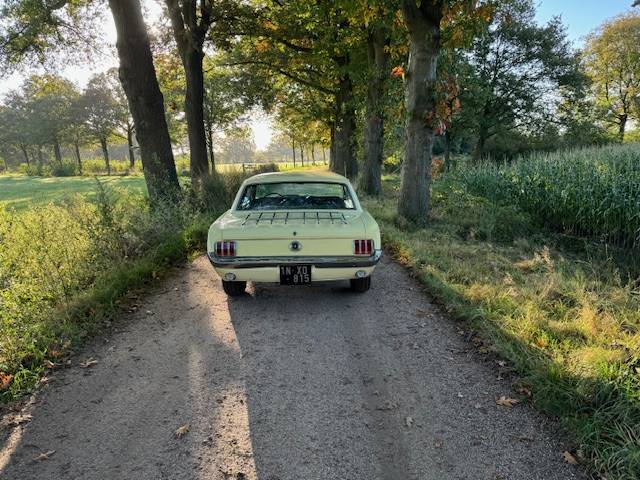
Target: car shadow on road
312,408
377,386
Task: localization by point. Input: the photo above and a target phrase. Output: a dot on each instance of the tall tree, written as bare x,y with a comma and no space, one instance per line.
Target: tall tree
613,63
77,134
49,99
124,121
422,20
516,63
425,22
190,20
139,81
226,101
378,57
311,52
101,112
15,124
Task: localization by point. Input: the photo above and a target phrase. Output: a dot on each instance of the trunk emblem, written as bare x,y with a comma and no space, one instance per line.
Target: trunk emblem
295,246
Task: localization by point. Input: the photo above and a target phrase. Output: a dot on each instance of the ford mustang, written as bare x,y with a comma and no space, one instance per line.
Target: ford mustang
294,229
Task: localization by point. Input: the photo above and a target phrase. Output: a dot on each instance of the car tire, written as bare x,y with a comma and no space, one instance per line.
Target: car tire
234,289
360,285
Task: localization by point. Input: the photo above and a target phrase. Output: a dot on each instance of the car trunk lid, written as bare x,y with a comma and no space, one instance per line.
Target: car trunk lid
270,233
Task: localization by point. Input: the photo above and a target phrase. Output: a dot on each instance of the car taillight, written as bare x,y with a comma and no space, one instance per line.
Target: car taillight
226,249
363,247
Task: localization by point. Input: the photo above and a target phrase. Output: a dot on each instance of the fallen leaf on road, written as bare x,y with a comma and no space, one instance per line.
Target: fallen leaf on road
507,402
408,421
183,430
570,459
90,362
45,455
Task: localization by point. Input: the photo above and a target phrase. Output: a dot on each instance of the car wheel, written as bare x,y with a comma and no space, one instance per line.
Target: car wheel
361,285
233,289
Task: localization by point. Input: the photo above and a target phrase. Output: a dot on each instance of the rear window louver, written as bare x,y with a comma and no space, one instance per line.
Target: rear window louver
284,218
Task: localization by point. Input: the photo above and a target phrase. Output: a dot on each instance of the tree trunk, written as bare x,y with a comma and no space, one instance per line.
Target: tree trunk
479,150
78,158
194,114
40,158
302,154
447,150
423,25
293,149
313,154
342,158
622,126
56,151
212,158
132,157
23,148
371,182
138,78
105,154
190,26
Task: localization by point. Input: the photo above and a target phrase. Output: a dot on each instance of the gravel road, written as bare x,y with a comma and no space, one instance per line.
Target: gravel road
285,383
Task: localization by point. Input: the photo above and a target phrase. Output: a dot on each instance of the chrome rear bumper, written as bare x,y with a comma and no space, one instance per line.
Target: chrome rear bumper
348,261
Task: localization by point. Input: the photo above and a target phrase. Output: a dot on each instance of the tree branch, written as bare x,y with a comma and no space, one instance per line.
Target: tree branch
284,73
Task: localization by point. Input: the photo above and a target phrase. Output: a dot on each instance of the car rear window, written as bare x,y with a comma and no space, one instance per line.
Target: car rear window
296,196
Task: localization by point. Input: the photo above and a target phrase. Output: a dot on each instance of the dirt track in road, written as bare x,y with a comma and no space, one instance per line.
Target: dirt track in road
286,383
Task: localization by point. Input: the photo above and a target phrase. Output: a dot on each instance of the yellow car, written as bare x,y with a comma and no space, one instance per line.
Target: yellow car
294,229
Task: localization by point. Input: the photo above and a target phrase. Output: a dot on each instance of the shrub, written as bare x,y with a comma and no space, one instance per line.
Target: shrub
391,164
64,169
96,166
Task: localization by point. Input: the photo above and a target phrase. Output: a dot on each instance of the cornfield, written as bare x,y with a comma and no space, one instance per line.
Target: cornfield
593,192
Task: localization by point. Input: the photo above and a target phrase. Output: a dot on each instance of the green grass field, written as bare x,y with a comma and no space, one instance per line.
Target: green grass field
21,192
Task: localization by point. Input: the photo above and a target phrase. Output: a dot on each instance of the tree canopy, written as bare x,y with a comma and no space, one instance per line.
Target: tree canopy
369,79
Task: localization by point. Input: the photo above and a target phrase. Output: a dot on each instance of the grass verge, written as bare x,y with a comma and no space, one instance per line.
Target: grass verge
565,312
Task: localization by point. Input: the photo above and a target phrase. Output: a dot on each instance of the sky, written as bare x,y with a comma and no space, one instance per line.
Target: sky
580,16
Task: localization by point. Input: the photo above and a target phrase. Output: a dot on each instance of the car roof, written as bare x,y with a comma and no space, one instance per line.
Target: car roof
309,176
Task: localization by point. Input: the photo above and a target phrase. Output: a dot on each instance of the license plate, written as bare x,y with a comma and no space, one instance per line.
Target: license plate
295,274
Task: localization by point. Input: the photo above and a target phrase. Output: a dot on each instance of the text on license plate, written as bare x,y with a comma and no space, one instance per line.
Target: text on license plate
295,274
